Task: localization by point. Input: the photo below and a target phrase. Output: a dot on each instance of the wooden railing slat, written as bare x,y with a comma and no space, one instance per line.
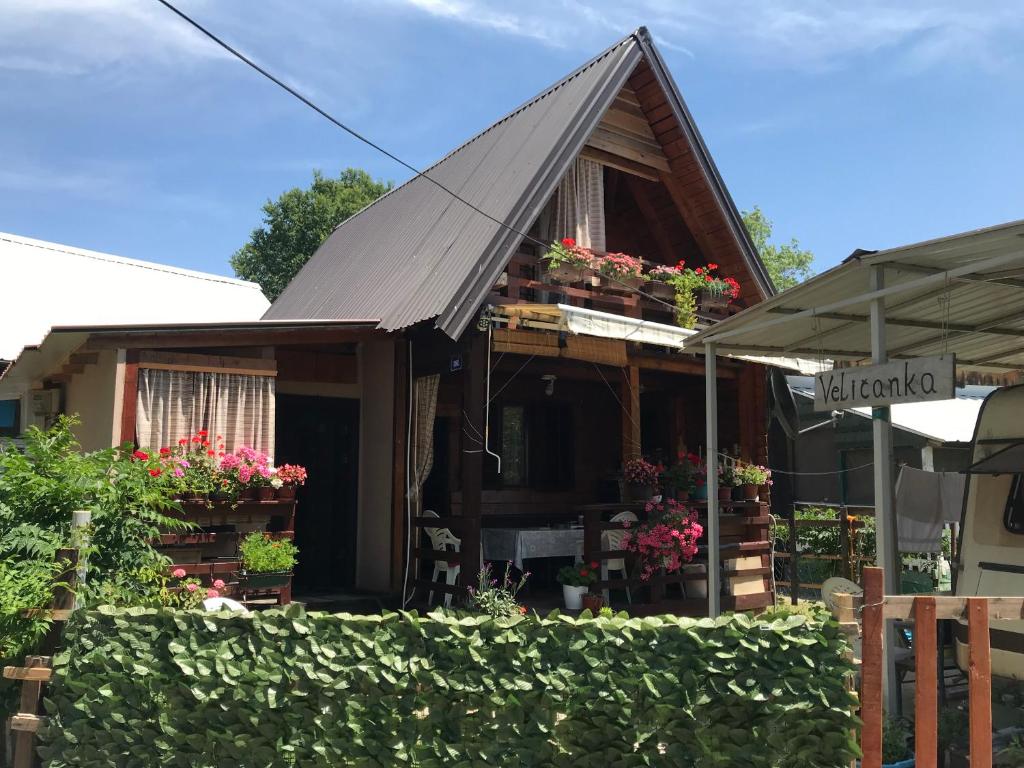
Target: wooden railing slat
38,674
926,681
25,723
902,607
979,678
871,669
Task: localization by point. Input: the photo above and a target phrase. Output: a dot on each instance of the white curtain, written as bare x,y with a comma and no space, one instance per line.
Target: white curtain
424,411
175,404
579,206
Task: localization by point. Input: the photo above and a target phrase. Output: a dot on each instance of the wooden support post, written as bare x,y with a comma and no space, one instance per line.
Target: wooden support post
871,669
979,678
630,397
25,723
474,381
844,545
399,529
130,396
794,557
926,708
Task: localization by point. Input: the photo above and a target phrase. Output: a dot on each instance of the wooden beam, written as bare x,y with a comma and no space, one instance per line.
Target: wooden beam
871,670
979,682
629,396
181,361
399,430
926,681
999,608
636,151
690,366
84,358
643,201
632,167
474,379
129,400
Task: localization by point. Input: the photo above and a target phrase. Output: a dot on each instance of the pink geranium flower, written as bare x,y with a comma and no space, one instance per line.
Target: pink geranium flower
212,593
191,586
218,584
178,573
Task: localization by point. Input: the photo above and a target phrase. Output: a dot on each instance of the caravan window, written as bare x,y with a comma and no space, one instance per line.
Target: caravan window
1014,517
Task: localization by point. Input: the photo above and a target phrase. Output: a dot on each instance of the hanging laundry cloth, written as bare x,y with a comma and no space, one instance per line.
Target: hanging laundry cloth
925,502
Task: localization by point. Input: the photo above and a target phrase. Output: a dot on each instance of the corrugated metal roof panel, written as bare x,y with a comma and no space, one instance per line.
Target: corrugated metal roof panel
406,257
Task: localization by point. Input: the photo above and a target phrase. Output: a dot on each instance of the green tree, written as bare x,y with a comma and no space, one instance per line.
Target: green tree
297,222
788,264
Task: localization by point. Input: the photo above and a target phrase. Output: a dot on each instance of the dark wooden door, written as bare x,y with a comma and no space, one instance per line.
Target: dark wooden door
322,434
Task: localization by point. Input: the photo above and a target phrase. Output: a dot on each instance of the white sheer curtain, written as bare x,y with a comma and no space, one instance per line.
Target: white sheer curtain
175,404
579,206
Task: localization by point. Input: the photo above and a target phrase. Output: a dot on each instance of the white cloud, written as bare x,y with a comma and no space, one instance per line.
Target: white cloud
785,33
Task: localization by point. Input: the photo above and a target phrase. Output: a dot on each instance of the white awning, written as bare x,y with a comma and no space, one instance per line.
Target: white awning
591,322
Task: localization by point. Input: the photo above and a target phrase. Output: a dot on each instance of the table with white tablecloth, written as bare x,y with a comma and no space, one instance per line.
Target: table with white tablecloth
519,544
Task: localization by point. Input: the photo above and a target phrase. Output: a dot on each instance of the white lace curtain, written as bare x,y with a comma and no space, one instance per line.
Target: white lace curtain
175,404
579,206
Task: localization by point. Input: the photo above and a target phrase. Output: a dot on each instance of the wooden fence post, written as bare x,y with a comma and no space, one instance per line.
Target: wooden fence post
926,708
979,678
794,578
871,669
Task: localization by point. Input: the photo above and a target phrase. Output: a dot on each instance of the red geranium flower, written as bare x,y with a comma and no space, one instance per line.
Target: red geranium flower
595,565
211,453
165,451
712,266
182,441
195,440
584,572
568,242
156,472
140,455
202,433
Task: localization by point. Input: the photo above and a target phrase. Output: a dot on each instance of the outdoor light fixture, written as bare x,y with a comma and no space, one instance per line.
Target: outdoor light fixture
549,380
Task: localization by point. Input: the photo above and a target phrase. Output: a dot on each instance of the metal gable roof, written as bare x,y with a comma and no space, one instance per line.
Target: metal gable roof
418,253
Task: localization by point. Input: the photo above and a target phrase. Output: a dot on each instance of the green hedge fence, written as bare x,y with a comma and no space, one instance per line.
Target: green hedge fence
147,687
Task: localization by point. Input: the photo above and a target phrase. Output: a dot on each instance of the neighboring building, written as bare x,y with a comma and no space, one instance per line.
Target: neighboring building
834,459
52,285
423,338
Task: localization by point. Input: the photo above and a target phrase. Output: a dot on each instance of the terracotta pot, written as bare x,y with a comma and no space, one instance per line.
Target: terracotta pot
286,492
682,495
265,493
248,494
725,493
748,492
593,603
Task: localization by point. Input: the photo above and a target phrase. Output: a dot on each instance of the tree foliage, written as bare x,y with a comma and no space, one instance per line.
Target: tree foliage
297,222
788,264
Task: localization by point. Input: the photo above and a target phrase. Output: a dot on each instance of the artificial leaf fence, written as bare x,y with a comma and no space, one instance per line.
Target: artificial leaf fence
147,687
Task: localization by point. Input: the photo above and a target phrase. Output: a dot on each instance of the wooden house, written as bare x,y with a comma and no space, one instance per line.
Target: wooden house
422,360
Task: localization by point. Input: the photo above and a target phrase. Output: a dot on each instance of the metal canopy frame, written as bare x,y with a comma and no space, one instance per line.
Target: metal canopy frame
960,294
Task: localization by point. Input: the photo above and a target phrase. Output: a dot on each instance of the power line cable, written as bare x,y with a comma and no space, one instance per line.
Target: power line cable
355,134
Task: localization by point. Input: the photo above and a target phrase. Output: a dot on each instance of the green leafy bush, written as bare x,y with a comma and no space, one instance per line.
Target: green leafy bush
147,687
261,554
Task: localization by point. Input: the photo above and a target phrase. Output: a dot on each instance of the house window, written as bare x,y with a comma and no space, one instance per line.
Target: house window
536,444
1013,518
10,418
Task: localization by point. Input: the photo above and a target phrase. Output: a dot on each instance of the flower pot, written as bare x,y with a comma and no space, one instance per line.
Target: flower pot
616,283
661,290
248,494
748,492
634,493
695,589
286,492
682,495
567,273
264,580
700,493
573,596
593,603
265,493
725,493
711,302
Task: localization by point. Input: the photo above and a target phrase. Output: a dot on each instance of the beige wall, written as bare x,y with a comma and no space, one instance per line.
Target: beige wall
90,394
376,424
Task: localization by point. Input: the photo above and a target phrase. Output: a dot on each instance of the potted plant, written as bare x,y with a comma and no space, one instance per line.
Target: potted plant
667,539
266,562
660,284
567,262
640,478
576,581
620,270
717,292
690,284
249,472
750,477
191,466
291,477
679,480
593,602
727,480
497,598
896,751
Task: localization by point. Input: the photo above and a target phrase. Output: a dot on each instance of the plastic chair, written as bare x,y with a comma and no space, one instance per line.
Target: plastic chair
613,540
443,539
220,603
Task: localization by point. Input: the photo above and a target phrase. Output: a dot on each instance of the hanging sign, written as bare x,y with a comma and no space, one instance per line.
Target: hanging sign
901,381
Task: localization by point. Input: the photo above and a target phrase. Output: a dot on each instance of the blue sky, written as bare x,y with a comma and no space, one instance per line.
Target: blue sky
852,124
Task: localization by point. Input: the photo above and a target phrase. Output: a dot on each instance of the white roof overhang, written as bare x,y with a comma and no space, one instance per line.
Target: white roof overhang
962,294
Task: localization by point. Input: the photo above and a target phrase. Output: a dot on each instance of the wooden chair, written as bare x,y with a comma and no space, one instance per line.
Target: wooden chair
613,540
443,539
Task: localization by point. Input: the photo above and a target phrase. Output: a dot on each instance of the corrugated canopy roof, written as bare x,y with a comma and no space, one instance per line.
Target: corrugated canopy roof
418,253
962,294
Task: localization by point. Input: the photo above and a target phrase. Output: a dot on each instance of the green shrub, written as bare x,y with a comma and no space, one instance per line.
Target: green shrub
147,687
261,554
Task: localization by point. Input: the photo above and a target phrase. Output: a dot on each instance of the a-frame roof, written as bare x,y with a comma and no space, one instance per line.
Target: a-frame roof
419,253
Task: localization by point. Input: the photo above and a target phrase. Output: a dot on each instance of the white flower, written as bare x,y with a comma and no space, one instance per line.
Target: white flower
276,482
